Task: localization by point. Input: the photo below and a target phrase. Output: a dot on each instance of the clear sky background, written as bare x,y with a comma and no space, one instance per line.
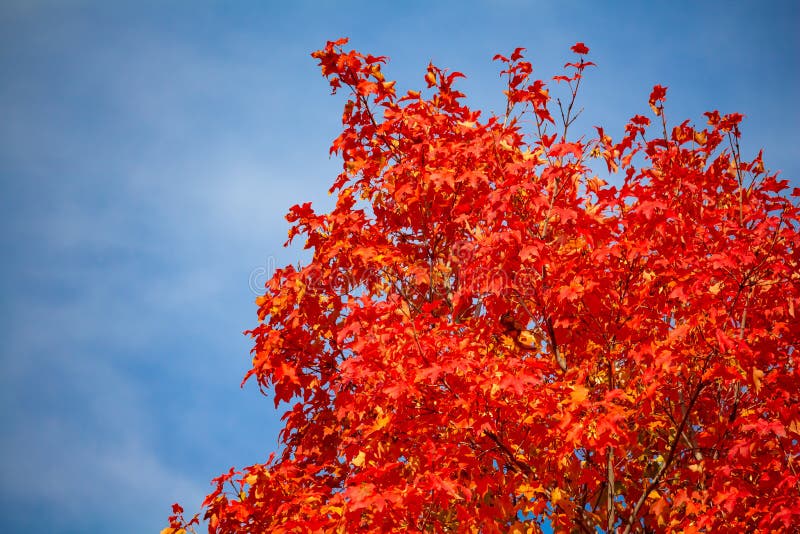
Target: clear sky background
148,153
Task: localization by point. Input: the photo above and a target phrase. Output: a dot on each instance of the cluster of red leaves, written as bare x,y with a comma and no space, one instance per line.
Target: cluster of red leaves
490,336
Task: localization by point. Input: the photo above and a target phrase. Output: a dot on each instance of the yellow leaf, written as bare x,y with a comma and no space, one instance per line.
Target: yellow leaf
758,374
404,309
507,342
382,421
794,426
653,495
170,530
301,288
527,339
529,491
715,288
656,110
578,394
358,461
700,138
336,510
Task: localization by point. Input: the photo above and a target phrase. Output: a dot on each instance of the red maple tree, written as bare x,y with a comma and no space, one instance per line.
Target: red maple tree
491,337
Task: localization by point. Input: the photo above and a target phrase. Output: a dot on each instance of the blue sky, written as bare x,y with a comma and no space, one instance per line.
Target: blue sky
148,153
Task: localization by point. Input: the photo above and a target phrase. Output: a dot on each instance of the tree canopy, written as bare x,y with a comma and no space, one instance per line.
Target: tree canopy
504,325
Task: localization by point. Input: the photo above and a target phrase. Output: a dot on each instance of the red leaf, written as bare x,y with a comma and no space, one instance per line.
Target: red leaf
562,149
517,54
580,48
657,97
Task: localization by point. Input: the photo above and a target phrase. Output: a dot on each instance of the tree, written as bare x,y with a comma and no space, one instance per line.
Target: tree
491,336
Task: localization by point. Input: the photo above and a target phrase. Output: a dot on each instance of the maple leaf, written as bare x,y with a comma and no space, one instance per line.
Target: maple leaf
579,48
562,149
657,96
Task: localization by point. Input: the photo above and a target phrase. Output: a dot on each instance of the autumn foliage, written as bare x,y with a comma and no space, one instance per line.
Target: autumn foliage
504,326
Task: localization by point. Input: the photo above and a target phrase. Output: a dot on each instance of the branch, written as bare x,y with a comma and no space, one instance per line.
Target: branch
551,335
522,466
612,516
668,462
